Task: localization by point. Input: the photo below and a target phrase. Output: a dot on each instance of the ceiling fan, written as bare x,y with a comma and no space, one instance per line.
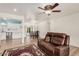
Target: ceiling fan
49,8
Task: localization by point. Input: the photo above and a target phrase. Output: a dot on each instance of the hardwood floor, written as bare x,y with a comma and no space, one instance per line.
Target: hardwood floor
74,51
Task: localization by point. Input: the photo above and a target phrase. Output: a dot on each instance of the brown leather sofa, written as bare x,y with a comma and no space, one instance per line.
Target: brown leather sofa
55,44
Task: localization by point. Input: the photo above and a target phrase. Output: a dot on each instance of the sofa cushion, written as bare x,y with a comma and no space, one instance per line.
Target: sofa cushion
47,45
58,41
61,35
47,39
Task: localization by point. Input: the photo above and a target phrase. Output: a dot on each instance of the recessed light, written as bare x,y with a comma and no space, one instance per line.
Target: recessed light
15,9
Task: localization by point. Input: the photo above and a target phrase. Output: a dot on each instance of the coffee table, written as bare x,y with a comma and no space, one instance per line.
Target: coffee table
31,50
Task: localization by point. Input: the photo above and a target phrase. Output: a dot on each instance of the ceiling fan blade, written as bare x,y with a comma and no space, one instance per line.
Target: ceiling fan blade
56,11
41,8
55,5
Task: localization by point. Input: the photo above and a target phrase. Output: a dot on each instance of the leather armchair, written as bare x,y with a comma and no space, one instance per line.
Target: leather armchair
55,44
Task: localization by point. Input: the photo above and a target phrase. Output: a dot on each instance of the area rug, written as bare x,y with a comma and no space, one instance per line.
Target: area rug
31,50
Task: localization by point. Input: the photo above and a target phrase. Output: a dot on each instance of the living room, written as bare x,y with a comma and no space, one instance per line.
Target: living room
24,24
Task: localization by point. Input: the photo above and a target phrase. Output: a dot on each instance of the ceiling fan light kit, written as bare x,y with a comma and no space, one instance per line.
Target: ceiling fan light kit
48,11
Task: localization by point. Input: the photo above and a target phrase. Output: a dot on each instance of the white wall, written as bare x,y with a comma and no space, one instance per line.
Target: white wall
68,24
43,28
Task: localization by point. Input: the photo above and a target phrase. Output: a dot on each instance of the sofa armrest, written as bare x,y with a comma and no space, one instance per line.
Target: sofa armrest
61,51
40,40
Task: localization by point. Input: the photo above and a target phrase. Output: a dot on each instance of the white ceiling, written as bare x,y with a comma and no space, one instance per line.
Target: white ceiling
30,10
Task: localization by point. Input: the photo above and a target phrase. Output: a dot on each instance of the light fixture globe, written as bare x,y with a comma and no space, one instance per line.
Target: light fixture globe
48,12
